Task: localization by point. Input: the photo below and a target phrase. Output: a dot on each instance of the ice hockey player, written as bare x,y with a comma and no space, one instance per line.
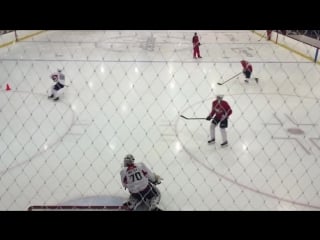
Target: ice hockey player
141,183
57,89
247,70
219,115
196,46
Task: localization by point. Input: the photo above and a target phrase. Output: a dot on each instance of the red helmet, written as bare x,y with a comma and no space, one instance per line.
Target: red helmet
54,77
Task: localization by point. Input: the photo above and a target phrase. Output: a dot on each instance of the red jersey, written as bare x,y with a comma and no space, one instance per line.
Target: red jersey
221,109
195,41
246,65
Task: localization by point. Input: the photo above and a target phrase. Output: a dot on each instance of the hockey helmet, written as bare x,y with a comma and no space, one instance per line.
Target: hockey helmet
219,96
128,160
54,77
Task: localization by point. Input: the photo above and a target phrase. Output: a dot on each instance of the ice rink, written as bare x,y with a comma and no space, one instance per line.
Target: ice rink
126,91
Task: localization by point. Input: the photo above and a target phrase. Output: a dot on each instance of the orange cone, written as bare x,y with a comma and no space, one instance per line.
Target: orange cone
8,87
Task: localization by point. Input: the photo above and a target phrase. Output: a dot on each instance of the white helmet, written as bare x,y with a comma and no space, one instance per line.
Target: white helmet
128,160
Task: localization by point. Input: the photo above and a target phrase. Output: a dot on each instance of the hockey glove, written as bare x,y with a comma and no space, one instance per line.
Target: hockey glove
158,179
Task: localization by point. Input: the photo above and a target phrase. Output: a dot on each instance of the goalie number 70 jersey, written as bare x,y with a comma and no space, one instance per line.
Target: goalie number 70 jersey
136,177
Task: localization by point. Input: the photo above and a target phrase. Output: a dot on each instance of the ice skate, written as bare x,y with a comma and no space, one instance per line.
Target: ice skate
224,144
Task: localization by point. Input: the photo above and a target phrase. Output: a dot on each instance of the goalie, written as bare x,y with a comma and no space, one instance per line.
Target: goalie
57,88
141,183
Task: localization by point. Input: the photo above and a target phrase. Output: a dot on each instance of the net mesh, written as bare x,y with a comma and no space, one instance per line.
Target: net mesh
125,93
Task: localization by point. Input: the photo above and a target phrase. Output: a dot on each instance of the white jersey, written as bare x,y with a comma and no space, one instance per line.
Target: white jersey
58,78
136,177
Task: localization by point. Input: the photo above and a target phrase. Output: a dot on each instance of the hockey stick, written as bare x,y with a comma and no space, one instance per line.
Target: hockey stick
192,118
230,79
